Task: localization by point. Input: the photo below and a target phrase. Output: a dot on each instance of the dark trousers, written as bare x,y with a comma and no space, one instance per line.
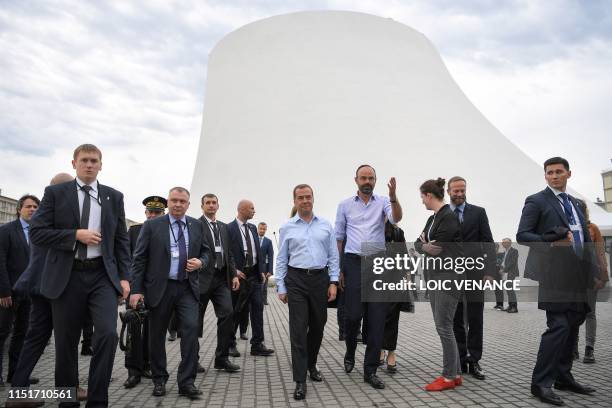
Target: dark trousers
243,318
264,291
307,296
16,318
468,327
87,332
178,297
36,339
220,296
250,298
340,312
391,327
355,309
555,356
87,291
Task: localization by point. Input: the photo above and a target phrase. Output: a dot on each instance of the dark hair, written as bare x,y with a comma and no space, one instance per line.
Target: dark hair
86,148
26,197
180,190
209,195
365,165
293,212
296,188
262,223
454,179
557,160
435,187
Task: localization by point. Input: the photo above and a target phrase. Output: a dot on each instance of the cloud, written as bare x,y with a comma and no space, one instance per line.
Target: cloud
131,77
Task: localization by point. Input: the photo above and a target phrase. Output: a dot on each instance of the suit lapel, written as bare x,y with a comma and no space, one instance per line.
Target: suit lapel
556,204
194,236
21,235
104,200
72,192
164,226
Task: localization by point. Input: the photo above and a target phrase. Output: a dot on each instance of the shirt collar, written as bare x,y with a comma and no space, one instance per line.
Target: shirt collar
173,220
372,198
555,191
296,218
93,185
461,207
24,223
240,223
208,219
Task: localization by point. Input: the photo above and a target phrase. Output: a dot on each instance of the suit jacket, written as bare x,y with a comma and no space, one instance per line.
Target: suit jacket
133,233
207,273
237,248
151,261
511,264
446,231
14,255
267,255
54,226
28,283
563,276
478,240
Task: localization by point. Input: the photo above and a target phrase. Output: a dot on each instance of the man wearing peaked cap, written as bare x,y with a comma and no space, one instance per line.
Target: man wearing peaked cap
138,362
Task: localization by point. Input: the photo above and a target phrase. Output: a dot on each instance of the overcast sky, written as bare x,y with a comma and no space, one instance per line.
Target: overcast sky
130,77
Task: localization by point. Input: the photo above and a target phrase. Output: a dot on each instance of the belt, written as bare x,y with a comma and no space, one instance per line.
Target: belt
86,264
307,271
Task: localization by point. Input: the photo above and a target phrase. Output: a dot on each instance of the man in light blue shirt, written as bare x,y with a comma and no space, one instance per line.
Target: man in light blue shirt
360,230
307,271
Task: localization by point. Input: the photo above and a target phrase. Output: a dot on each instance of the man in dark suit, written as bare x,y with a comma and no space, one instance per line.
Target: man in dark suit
478,241
553,226
14,257
246,252
170,251
155,206
218,280
40,325
82,222
510,271
267,253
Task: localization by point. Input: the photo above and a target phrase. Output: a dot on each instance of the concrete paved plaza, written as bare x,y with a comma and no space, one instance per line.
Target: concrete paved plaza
511,342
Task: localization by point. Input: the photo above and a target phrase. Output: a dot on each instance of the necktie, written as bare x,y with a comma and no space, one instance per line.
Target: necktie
459,214
567,208
219,258
182,247
249,254
82,248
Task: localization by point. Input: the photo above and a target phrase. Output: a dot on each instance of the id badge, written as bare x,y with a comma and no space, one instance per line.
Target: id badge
218,248
175,254
575,228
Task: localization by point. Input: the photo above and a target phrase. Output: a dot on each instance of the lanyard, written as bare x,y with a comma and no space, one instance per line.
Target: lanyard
96,198
172,230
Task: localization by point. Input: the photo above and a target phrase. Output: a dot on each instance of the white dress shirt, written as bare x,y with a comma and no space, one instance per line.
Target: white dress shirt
95,214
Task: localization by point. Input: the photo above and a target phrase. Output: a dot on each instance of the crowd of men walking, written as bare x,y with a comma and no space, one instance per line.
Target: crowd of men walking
68,258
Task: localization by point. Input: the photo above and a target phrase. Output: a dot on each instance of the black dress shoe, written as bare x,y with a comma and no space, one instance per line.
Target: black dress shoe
227,366
86,351
146,373
589,355
464,368
172,336
190,392
349,362
315,374
261,350
200,369
546,395
512,310
300,391
498,307
575,387
159,390
132,381
233,352
243,336
476,371
374,381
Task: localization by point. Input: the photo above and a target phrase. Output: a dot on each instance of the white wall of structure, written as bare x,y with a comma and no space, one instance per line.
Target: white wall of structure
307,97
